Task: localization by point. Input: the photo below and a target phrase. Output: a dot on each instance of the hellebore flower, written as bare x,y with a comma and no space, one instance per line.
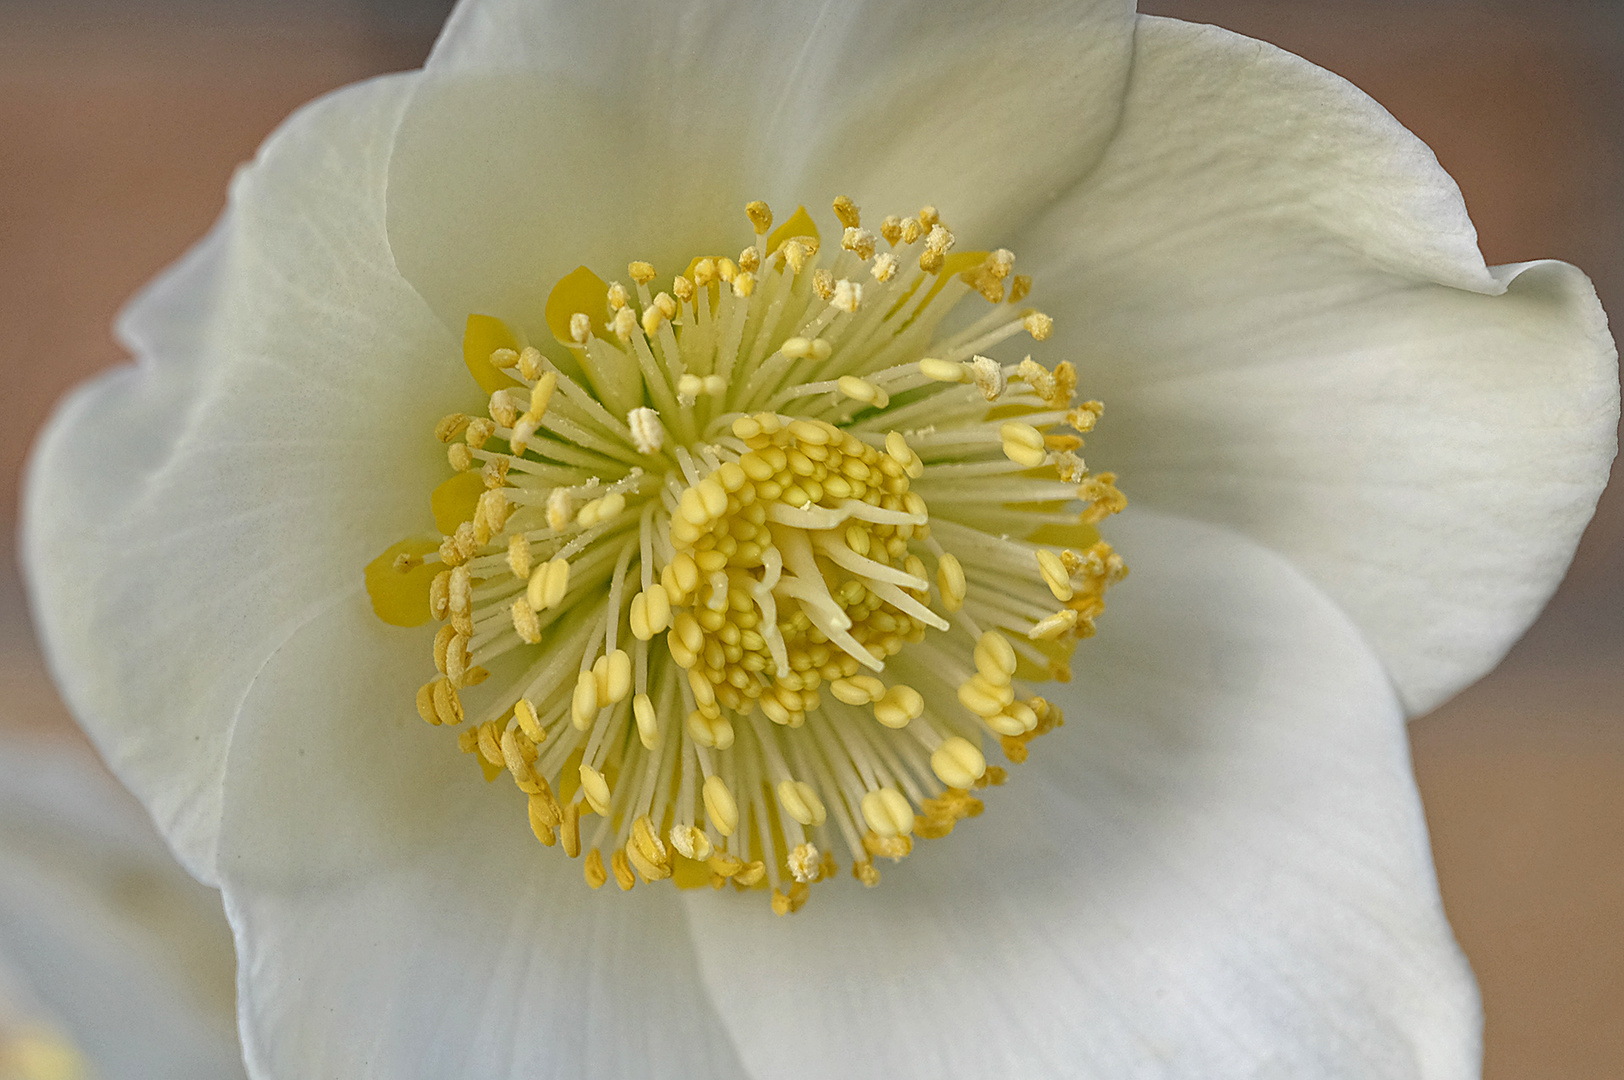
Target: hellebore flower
743,564
114,964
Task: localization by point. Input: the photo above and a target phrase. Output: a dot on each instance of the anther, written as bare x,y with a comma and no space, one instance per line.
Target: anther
847,211
957,763
720,808
888,813
760,215
1055,574
648,436
595,789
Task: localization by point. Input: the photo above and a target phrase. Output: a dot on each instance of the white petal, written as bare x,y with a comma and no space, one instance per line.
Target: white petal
1217,868
130,955
1277,293
555,134
184,515
396,919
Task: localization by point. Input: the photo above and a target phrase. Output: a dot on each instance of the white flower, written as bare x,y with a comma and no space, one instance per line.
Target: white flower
1364,459
114,965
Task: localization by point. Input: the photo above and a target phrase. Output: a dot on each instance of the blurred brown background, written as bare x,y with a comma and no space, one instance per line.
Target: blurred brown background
120,124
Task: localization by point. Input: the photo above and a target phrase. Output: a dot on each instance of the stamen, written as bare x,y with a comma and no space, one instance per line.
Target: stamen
763,562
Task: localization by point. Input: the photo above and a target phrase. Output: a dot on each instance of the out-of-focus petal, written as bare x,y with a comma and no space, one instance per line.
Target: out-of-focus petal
1278,294
184,515
1218,867
396,919
548,135
111,937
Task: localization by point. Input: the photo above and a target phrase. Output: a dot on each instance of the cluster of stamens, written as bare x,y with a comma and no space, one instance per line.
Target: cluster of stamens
760,564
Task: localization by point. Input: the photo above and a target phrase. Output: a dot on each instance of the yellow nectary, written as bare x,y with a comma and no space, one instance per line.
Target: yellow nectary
761,562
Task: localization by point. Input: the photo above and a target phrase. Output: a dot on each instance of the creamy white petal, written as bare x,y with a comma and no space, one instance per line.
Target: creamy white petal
1217,868
548,135
1277,292
130,955
396,919
184,515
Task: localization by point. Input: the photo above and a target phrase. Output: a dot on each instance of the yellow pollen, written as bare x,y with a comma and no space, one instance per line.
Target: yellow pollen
765,564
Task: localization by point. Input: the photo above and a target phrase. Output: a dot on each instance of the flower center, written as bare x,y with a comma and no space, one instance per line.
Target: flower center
756,567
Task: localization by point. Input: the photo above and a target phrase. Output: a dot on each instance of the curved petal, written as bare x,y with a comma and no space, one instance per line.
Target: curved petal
1217,868
396,919
128,953
549,135
182,516
1277,293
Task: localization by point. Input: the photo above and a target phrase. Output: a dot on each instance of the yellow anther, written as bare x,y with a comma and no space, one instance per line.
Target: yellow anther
847,211
548,584
1020,288
891,229
584,702
929,218
858,690
479,431
1039,325
902,454
541,809
900,705
823,284
1052,626
525,623
847,296
502,409
503,358
1055,574
726,269
489,747
619,676
451,426
623,323
618,297
542,393
647,851
800,801
760,215
529,723
648,436
752,874
1023,714
622,867
640,272
460,457
1023,444
593,869
744,283
950,580
715,731
652,318
859,389
720,809
885,267
580,327
888,812
530,362
595,789
560,509
995,657
440,595
690,842
648,725
803,862
859,242
682,288
957,762
983,697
